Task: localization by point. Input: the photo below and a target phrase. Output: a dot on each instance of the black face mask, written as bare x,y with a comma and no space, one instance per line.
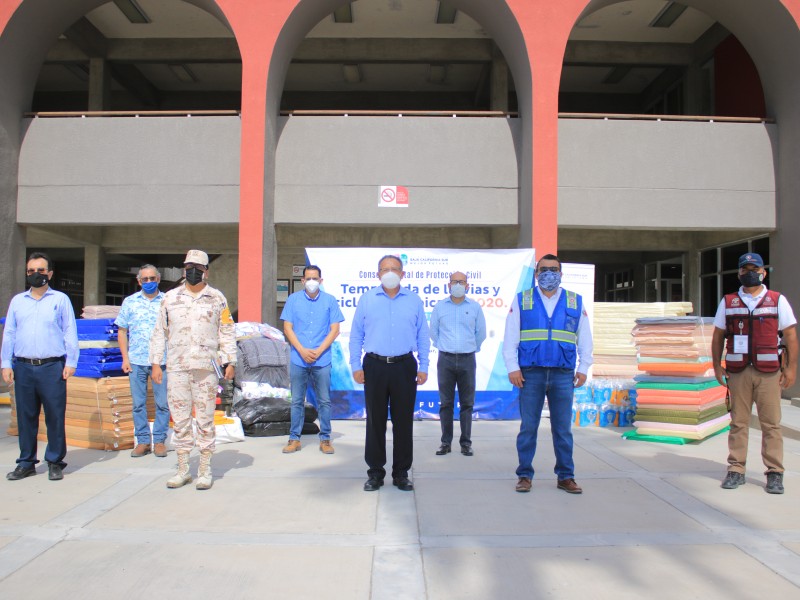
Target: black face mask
194,276
37,280
750,279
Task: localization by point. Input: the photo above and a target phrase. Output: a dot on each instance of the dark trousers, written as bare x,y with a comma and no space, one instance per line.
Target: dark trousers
389,386
456,370
36,387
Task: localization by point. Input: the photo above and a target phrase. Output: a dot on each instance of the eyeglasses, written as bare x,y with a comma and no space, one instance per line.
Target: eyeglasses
195,266
552,269
41,270
457,281
148,279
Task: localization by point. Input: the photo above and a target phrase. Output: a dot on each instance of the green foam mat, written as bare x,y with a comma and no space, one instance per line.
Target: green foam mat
666,439
689,387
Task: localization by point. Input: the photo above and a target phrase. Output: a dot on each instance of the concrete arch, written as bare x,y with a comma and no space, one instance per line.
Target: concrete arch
500,23
28,29
769,32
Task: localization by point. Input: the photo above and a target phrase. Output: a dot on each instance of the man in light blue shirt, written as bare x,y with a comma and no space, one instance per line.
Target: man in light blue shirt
389,325
311,320
136,321
458,329
39,354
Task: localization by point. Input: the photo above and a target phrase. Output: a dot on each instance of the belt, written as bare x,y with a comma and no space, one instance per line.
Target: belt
456,353
36,362
390,359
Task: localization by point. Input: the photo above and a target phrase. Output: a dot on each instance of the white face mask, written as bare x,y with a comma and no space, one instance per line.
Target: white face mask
312,286
457,290
390,280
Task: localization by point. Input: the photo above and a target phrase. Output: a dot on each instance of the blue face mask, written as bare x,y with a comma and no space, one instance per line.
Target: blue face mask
150,287
549,280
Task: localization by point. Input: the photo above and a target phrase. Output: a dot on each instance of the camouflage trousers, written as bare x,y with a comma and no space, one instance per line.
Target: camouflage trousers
196,389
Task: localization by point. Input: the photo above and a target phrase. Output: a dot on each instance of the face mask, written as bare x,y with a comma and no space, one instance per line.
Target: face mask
312,286
37,280
390,280
457,290
549,280
150,287
751,278
194,276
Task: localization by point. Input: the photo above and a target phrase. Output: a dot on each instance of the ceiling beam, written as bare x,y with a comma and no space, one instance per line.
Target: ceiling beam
627,53
131,78
163,50
87,38
393,50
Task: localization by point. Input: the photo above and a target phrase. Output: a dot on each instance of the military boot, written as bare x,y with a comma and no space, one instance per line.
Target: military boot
204,481
182,476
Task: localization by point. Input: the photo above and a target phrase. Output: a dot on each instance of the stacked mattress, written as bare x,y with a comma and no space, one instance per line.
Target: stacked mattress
100,355
614,354
677,395
99,413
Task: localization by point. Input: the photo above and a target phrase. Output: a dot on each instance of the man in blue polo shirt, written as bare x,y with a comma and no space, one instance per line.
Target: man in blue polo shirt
41,337
136,321
311,320
458,328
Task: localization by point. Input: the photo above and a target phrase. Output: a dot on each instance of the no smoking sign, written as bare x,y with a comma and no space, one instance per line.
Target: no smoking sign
393,196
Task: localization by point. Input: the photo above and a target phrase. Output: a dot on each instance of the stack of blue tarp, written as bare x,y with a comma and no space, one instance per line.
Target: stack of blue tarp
100,355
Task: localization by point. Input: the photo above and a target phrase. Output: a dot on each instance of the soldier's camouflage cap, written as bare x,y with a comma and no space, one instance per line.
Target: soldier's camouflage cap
196,256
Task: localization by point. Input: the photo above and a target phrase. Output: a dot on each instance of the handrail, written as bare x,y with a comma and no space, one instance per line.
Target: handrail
132,113
395,113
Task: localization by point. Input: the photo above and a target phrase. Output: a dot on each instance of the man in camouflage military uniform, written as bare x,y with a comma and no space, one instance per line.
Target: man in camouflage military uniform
196,327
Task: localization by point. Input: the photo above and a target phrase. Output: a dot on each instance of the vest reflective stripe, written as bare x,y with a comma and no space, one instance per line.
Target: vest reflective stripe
760,312
765,357
527,300
733,357
565,336
737,311
527,335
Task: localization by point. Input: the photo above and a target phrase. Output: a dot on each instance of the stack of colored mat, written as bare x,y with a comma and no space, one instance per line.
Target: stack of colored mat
678,398
99,413
100,355
614,354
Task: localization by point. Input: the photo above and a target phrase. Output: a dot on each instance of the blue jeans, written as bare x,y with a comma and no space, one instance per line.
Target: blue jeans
320,378
558,386
456,370
138,381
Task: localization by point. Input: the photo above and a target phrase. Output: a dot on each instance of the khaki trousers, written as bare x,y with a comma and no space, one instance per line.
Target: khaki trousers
762,389
193,389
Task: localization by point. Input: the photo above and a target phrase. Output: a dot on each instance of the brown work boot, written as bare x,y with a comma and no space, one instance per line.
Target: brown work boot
326,447
569,486
292,446
140,450
160,449
523,485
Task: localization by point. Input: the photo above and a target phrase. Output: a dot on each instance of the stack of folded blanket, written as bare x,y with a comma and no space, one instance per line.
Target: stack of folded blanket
678,395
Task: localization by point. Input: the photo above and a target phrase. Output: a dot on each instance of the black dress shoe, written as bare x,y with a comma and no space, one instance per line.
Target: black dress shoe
403,484
21,473
467,450
54,472
373,484
443,449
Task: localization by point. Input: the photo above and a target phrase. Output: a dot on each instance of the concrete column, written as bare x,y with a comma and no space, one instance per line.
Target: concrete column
498,93
94,275
99,84
223,274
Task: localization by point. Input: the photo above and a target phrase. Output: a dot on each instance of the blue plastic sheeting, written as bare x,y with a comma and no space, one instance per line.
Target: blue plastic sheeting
84,323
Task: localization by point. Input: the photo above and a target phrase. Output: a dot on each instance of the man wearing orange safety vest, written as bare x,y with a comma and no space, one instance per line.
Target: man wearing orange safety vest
748,324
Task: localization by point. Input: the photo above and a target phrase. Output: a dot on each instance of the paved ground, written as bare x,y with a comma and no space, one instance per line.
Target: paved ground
652,522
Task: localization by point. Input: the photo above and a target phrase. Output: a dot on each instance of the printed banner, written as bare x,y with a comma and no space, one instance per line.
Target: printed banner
495,277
